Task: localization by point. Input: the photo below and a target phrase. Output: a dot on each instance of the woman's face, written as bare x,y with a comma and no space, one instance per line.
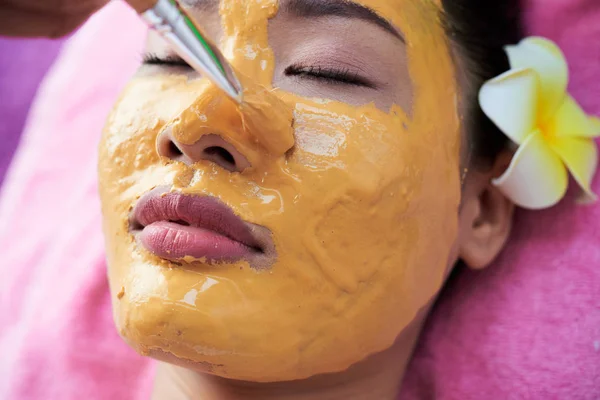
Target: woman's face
235,253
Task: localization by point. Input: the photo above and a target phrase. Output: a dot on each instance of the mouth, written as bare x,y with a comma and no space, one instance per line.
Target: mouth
179,227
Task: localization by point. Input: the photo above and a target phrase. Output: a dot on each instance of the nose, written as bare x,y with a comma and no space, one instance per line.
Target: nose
209,147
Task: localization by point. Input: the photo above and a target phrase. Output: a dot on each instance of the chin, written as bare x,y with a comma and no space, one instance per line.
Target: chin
152,330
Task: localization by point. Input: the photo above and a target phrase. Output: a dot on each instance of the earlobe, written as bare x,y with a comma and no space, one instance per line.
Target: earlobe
486,221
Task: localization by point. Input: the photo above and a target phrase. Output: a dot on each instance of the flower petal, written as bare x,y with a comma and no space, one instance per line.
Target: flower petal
510,101
571,120
595,122
580,157
549,62
545,43
536,177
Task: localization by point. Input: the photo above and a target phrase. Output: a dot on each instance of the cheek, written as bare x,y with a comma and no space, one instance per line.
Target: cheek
127,151
379,199
129,164
367,232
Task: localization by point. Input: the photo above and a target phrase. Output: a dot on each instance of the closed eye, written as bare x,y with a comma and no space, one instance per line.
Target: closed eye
331,76
170,60
328,75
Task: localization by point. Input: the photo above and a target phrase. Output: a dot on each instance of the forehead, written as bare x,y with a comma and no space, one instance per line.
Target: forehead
388,14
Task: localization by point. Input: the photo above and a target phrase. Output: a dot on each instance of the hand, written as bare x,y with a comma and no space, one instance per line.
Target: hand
45,18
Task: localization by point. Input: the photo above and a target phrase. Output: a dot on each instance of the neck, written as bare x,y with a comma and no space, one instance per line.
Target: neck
376,378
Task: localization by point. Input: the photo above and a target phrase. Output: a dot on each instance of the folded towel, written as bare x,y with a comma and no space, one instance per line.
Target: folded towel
57,338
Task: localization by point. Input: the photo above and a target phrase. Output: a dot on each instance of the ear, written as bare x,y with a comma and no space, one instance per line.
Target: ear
485,217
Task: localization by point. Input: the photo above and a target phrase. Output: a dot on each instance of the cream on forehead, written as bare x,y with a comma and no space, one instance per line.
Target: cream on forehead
353,210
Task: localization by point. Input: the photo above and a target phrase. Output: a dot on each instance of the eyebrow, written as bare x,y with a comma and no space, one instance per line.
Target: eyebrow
339,8
317,8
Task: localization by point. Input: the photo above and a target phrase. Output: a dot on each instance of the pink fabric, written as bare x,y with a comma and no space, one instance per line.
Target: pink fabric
57,339
526,328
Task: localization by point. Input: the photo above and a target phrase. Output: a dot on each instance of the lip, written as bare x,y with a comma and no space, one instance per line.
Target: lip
176,226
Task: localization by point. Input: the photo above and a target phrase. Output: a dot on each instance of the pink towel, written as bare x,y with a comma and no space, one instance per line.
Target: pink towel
526,328
57,339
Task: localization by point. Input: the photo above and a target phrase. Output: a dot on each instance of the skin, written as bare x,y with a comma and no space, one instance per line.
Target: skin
47,18
362,199
52,18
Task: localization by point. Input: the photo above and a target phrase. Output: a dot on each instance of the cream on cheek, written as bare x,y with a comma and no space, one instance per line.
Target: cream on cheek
355,210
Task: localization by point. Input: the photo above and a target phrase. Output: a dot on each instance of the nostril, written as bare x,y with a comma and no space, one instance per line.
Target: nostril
209,147
221,156
174,151
167,148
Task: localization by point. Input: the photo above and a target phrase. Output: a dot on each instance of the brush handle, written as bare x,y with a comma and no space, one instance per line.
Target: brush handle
175,25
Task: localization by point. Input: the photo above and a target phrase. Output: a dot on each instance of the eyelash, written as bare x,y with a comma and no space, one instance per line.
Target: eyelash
327,75
330,76
171,61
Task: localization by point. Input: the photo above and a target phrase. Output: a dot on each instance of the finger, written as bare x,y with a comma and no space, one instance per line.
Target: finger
16,22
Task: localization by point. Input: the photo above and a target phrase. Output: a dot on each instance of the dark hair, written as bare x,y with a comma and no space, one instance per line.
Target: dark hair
479,30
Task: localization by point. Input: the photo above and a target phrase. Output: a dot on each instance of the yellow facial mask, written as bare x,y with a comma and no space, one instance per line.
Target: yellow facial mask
362,206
